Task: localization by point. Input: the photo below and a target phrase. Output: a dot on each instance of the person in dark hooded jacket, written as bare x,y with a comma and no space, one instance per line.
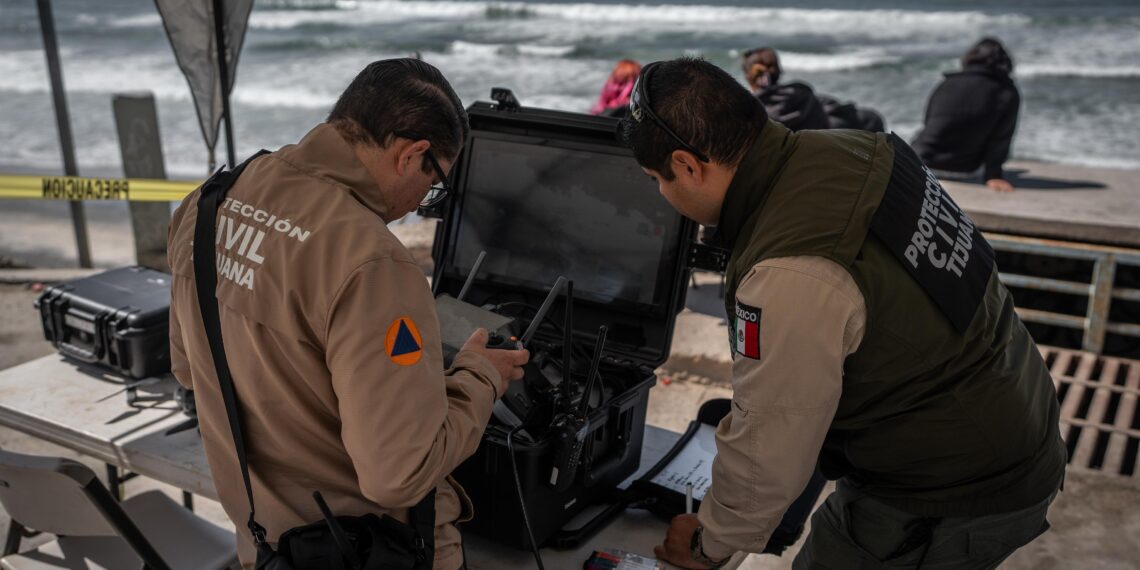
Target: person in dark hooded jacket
796,105
792,104
971,117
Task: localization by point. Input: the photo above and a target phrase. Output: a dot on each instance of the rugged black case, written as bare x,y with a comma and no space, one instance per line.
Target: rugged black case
616,430
118,319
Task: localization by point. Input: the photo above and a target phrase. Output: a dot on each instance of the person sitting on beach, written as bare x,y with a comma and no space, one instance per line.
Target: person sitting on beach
613,101
971,116
792,104
795,104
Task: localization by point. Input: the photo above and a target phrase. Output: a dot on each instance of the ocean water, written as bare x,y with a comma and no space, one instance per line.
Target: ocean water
1077,63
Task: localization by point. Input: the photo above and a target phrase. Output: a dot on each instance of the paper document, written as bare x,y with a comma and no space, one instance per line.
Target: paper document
692,465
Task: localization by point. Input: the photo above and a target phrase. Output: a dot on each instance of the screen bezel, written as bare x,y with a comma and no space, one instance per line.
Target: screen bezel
668,261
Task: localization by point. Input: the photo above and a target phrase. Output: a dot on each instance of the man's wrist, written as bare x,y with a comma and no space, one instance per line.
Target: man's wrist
479,366
697,551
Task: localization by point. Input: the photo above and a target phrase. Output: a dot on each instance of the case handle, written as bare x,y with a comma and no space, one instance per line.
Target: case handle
91,356
623,418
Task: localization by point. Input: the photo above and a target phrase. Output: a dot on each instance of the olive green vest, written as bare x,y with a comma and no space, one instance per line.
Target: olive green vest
933,420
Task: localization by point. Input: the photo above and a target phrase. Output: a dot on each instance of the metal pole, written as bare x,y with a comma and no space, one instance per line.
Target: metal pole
51,50
224,76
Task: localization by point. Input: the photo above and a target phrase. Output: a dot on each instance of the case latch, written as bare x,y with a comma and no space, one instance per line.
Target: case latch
505,98
708,257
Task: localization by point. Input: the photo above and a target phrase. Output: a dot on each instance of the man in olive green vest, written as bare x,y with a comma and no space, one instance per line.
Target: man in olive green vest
871,339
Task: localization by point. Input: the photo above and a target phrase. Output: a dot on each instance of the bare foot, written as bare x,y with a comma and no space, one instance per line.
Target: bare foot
999,185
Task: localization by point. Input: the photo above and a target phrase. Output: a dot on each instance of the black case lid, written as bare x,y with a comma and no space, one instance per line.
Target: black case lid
139,293
554,193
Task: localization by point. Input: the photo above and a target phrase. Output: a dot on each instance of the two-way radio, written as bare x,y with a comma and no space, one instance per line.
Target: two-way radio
570,428
518,403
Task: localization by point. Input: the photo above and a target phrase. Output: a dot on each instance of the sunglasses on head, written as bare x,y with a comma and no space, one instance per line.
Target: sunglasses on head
438,191
640,109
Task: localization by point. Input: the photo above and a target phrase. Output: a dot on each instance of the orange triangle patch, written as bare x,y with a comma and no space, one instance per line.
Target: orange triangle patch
403,342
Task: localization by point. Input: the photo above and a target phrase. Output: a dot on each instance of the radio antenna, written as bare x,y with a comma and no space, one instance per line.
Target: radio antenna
567,345
471,276
592,376
542,310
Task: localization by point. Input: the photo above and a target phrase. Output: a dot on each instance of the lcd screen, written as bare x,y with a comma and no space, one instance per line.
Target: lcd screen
541,211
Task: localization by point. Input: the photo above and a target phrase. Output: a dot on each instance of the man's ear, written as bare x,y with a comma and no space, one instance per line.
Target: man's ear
686,164
411,156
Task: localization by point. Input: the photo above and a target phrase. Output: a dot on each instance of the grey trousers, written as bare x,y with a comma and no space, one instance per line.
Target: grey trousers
851,530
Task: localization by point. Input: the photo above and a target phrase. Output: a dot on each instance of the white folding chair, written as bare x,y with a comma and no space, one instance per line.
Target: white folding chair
65,498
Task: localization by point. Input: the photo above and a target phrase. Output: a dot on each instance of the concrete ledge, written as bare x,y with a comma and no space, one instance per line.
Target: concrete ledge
1056,201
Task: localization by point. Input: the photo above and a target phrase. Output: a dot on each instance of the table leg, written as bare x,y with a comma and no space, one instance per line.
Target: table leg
114,484
15,533
188,500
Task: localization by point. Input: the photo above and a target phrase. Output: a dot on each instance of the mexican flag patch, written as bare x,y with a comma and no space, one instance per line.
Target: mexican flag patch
746,333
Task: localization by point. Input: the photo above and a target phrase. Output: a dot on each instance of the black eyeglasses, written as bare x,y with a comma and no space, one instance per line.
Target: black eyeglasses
639,108
438,191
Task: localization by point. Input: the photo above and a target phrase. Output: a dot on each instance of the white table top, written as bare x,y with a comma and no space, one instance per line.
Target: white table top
84,408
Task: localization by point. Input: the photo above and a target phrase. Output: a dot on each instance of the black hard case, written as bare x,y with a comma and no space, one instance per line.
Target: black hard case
616,429
118,319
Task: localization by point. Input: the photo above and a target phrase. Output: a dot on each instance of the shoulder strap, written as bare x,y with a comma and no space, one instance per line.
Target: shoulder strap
206,281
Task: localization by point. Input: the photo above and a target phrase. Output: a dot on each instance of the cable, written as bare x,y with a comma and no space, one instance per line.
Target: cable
522,499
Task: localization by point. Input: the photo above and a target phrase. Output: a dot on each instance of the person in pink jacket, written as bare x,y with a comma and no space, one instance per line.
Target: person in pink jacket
613,101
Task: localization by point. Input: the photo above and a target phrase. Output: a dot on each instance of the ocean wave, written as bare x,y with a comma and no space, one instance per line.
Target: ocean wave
1090,71
873,22
545,51
262,95
137,21
800,62
473,48
307,4
26,72
485,49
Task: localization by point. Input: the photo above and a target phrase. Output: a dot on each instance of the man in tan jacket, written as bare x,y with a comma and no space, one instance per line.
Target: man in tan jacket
329,325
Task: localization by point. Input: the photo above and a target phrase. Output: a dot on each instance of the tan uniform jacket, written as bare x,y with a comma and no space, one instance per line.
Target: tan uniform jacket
333,343
812,316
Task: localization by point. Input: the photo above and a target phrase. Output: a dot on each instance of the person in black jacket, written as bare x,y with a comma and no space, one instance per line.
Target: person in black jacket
795,104
792,104
971,116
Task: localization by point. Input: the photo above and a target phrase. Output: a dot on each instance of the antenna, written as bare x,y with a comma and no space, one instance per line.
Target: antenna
567,345
542,310
592,376
471,276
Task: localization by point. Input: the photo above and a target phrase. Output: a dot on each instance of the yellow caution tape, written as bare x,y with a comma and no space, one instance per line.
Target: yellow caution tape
84,188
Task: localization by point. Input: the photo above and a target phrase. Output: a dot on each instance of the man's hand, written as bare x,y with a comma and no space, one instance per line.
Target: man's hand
999,185
675,549
509,363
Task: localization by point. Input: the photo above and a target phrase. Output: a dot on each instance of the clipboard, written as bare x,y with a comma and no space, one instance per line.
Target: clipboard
661,490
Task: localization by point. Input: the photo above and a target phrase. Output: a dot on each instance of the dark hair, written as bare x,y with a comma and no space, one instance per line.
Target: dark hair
401,95
764,55
989,53
704,105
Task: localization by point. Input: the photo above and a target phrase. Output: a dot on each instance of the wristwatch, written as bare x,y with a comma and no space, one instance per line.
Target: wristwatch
698,553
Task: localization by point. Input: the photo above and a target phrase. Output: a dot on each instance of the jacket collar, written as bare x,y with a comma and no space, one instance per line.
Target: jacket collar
753,179
323,153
